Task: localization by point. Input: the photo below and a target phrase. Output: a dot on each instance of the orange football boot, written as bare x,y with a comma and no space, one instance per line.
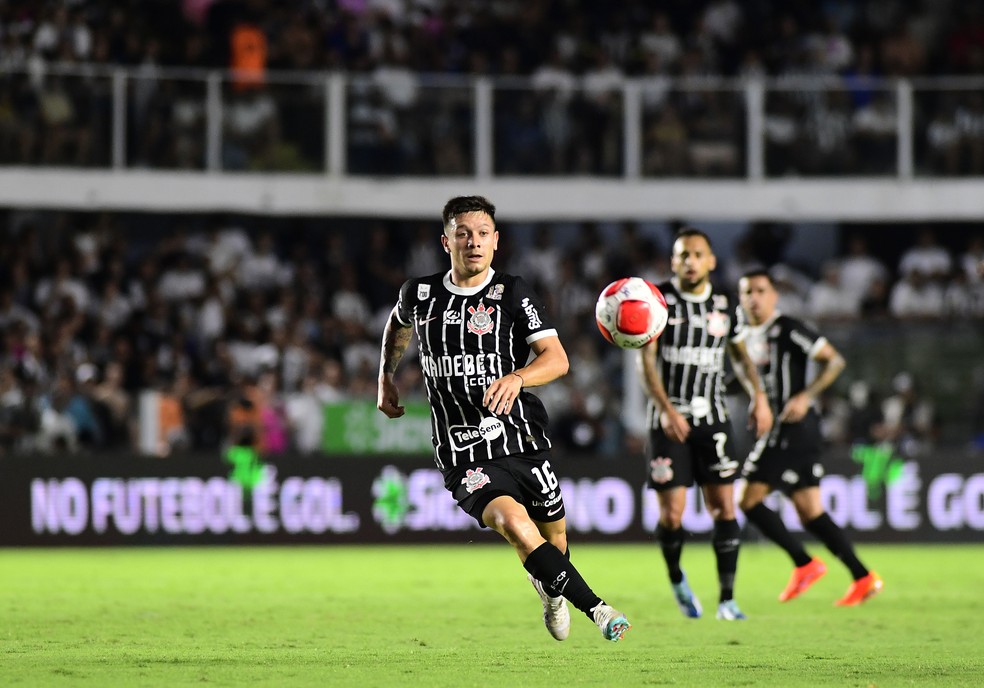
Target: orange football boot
802,578
861,590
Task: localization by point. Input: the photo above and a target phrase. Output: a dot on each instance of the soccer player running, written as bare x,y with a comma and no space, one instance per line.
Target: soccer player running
476,328
690,436
788,458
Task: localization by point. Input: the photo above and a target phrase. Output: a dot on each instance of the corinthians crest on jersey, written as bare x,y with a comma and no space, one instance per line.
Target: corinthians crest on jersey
480,320
468,338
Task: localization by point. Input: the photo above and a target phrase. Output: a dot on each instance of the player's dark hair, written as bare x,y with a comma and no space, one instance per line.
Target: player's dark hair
467,204
685,232
759,272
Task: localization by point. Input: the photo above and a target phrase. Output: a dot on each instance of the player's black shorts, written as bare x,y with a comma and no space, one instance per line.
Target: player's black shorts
531,481
788,458
707,458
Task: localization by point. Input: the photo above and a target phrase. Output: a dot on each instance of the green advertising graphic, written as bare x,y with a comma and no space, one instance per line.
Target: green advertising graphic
247,469
390,501
879,466
357,427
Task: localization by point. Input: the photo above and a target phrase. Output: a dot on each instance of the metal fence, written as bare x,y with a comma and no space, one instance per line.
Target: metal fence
397,123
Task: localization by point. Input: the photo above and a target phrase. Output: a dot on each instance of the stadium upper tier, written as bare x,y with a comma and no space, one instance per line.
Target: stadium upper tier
395,122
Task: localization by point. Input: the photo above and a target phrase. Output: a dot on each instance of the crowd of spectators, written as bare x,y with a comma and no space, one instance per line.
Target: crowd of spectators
575,54
240,329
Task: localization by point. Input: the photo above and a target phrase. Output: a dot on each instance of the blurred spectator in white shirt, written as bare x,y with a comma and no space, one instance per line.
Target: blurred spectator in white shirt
263,269
331,384
828,299
227,246
348,303
423,256
540,263
306,416
660,39
183,282
211,320
915,296
792,286
926,257
113,307
63,283
859,270
12,312
972,260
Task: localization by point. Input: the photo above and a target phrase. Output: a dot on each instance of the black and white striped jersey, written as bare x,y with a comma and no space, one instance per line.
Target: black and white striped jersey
781,349
467,339
691,354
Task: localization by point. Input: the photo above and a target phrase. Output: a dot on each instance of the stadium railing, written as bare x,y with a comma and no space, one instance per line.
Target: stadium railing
396,123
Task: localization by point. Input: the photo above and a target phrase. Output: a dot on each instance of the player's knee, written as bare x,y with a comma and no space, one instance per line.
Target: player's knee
749,502
671,520
516,527
558,540
808,513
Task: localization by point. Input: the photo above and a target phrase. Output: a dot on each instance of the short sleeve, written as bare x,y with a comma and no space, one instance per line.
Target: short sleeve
805,337
531,317
404,309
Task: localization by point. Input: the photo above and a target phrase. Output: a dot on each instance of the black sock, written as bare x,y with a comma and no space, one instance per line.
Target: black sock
772,527
831,534
552,568
671,542
550,591
726,539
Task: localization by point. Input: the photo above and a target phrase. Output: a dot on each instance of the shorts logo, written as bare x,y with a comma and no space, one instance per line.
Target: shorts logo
790,476
700,407
475,480
480,321
423,291
817,470
725,467
661,470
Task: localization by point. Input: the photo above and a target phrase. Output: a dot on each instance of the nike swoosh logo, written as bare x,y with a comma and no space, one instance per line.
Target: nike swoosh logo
424,322
555,511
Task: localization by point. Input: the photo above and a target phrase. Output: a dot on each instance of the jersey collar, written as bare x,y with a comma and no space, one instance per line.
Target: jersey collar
757,329
467,291
693,298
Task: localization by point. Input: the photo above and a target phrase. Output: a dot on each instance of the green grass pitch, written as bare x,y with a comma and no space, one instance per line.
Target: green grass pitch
395,616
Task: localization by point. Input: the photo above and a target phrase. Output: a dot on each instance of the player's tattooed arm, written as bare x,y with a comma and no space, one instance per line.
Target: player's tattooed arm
396,339
674,424
759,413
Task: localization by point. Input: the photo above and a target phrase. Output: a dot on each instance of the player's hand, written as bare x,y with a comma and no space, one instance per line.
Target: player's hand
796,408
674,425
501,394
388,398
760,415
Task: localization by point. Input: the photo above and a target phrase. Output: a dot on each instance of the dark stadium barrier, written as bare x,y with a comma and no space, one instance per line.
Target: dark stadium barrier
129,499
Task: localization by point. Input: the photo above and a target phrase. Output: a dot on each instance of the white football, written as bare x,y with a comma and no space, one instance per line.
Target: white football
631,312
